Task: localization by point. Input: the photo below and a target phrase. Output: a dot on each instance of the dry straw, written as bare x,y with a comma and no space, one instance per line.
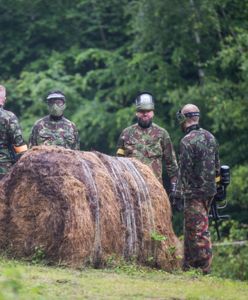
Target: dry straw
83,207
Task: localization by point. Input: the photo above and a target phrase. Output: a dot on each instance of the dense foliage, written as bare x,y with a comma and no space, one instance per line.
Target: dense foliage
231,256
100,53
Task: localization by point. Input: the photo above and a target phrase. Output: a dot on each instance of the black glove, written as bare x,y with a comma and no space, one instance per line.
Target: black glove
176,202
18,156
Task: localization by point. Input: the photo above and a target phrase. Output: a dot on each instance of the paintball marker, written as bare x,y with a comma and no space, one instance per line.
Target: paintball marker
219,202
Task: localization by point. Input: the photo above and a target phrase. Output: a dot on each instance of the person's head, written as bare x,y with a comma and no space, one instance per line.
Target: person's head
144,109
56,103
188,115
2,95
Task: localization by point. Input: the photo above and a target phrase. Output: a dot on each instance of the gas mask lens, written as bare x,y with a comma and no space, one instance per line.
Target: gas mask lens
58,102
180,117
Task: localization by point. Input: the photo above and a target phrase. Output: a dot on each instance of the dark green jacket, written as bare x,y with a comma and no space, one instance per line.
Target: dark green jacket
198,165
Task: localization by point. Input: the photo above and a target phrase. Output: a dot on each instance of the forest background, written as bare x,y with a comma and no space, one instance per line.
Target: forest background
101,53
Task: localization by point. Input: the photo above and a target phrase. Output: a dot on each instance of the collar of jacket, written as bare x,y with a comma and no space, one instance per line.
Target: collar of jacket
55,118
192,127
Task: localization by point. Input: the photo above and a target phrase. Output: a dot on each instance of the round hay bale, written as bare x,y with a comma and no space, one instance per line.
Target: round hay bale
81,208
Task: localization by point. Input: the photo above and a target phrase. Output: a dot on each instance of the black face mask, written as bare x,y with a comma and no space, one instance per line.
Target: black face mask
144,124
192,127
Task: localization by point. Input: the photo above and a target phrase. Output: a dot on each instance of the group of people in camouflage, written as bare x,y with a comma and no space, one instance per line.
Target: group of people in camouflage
193,181
53,129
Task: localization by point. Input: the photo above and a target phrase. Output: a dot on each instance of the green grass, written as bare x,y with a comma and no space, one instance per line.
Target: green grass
19,280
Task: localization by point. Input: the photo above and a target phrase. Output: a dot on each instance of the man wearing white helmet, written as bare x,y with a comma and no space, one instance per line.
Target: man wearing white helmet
147,141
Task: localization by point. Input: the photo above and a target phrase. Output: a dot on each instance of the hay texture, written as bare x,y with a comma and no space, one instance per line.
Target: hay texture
82,208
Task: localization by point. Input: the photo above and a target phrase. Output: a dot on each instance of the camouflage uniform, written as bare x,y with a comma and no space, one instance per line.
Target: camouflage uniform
55,131
11,140
150,145
199,165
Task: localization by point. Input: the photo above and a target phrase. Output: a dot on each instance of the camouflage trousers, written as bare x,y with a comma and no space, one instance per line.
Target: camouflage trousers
197,242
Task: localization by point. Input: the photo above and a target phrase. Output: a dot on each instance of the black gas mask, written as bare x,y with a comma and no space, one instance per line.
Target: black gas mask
182,117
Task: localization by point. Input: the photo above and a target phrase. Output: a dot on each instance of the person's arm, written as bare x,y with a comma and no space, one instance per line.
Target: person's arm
77,140
16,138
120,146
170,159
186,161
185,168
33,137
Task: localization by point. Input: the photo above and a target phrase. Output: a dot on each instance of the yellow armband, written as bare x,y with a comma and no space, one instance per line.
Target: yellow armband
217,179
20,149
121,152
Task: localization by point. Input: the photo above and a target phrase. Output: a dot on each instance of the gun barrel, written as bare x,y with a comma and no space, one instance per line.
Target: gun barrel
214,215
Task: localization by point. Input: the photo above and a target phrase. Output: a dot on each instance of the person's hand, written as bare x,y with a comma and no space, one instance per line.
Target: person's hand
176,201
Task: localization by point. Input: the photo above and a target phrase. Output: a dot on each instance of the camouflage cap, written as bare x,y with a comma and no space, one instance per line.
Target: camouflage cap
144,101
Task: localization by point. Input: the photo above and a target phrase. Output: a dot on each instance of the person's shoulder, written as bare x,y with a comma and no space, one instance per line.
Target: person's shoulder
207,133
68,122
8,114
159,129
190,137
209,137
41,121
130,128
195,136
185,139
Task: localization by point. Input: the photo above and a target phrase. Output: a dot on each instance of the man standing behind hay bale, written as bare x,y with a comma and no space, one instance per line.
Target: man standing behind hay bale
55,129
148,142
199,165
12,144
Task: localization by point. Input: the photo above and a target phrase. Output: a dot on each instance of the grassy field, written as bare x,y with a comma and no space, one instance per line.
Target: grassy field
20,280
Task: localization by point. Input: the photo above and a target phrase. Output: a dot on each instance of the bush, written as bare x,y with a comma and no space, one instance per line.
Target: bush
231,256
231,261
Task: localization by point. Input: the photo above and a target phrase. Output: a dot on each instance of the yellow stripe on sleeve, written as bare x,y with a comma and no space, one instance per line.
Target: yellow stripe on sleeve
19,149
217,179
120,151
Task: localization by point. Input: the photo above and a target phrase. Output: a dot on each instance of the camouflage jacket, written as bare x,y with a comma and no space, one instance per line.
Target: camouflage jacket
10,138
198,164
61,132
149,145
